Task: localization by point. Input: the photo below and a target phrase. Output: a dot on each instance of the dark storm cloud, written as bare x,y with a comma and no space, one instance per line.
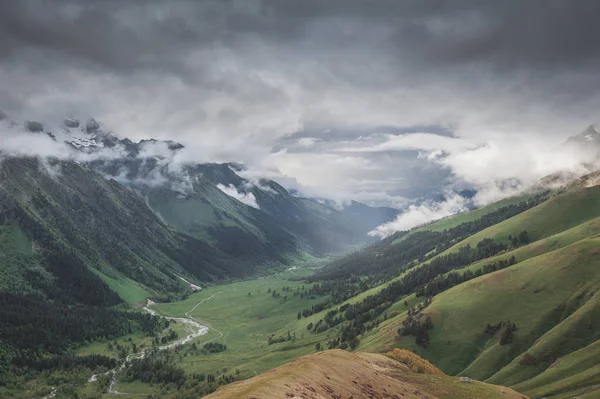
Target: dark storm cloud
282,84
126,34
529,33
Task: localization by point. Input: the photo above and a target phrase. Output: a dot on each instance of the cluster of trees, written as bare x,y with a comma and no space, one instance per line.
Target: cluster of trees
339,289
214,347
316,308
521,239
333,318
200,384
507,331
412,326
171,335
443,282
123,350
339,342
160,367
277,340
157,367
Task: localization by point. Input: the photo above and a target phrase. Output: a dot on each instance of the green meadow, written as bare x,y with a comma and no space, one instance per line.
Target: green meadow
243,315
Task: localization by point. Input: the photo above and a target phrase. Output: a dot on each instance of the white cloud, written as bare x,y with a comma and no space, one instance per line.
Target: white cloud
417,215
245,198
415,141
307,142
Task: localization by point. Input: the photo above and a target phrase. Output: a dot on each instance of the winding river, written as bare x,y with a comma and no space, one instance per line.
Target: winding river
196,330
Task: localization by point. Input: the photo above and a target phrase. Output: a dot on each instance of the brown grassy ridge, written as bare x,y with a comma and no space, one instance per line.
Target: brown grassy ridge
414,362
338,374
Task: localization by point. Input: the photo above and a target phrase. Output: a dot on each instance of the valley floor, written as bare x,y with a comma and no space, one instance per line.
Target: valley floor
241,315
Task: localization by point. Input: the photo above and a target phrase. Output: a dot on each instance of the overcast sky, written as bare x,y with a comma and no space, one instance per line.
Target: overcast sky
381,100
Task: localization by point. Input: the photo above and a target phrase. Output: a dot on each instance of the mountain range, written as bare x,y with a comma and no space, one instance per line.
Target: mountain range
127,212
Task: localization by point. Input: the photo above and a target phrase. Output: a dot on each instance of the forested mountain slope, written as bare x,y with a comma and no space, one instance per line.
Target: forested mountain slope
74,217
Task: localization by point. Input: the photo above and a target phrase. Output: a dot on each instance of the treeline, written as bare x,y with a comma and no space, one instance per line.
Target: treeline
171,335
507,331
403,250
277,340
66,362
444,282
337,291
214,347
412,326
34,328
160,367
157,367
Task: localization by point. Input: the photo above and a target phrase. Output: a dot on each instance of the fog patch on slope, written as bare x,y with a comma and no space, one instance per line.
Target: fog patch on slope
245,198
417,215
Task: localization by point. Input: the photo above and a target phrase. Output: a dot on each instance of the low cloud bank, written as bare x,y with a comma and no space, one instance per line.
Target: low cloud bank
245,198
417,215
495,169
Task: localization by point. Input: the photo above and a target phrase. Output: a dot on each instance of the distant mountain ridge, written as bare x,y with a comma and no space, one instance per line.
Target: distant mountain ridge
591,135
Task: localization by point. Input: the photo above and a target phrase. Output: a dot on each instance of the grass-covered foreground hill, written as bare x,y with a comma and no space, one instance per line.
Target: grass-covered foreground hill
340,374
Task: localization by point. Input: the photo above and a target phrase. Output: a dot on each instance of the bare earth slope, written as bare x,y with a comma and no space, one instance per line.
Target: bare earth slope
339,374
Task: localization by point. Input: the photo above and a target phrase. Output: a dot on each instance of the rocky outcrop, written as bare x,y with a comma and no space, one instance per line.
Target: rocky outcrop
34,127
71,122
91,125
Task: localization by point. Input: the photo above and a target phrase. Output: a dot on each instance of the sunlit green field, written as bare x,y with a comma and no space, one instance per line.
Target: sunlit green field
243,315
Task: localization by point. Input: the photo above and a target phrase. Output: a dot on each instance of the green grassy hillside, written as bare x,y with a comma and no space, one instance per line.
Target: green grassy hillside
556,215
551,297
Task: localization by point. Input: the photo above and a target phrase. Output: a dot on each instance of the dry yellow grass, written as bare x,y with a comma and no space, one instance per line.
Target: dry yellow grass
414,362
338,374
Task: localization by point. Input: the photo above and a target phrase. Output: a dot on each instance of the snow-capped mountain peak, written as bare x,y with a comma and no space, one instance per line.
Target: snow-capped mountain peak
588,136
